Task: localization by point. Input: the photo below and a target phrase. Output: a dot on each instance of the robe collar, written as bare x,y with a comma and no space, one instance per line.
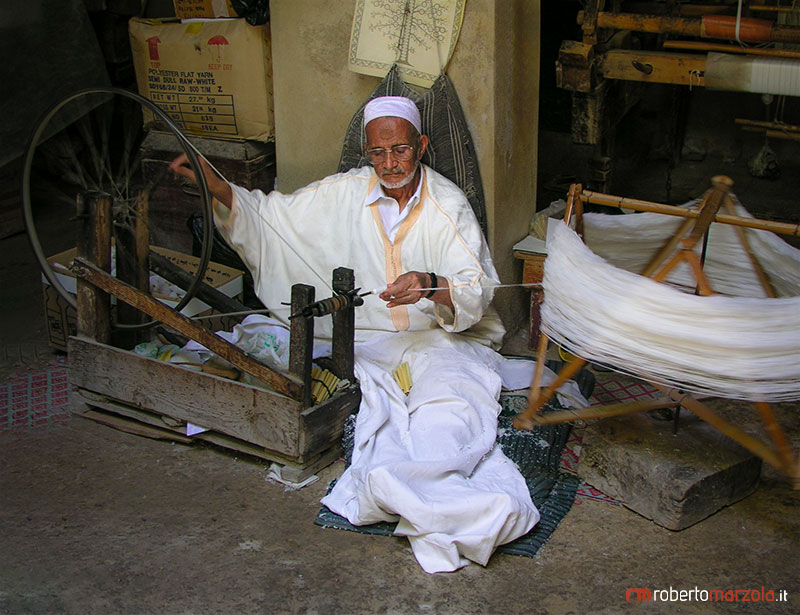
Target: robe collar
376,191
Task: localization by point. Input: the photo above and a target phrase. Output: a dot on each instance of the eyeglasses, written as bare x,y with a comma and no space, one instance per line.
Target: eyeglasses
400,153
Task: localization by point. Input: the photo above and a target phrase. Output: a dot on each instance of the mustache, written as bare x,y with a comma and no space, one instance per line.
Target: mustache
393,171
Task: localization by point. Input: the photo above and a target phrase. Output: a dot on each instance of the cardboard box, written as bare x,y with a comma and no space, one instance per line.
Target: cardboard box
214,78
203,9
61,318
250,164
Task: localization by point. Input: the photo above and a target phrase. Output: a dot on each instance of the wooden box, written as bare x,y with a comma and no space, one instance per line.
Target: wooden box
156,399
250,164
60,317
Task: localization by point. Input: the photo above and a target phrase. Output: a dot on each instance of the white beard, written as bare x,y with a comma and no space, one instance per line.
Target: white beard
403,182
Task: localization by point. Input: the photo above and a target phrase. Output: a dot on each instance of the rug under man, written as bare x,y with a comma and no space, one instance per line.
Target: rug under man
537,454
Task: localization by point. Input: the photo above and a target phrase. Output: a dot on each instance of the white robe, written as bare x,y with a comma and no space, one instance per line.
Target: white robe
428,460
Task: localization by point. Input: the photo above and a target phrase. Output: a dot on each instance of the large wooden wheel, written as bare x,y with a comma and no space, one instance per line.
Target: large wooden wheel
89,143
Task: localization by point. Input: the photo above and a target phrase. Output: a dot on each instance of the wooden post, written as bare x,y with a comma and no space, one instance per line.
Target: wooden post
343,327
94,245
133,248
301,340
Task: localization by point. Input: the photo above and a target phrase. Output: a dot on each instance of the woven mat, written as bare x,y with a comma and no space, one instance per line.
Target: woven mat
38,399
538,454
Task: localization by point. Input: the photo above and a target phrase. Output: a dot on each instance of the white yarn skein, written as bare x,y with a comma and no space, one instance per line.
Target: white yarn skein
630,241
733,347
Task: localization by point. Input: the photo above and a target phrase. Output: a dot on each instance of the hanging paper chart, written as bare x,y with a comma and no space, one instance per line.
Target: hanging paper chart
417,35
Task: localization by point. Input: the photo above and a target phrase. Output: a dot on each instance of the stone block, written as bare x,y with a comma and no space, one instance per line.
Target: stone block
675,480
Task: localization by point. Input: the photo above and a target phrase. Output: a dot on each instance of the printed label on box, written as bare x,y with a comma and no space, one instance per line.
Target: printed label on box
193,9
214,78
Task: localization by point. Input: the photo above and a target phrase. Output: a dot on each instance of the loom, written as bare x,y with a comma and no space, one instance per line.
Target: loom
716,46
754,359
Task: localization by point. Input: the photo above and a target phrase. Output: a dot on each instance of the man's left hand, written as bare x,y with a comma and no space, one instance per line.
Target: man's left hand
404,290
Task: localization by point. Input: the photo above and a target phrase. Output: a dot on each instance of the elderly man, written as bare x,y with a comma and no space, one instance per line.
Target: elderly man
427,460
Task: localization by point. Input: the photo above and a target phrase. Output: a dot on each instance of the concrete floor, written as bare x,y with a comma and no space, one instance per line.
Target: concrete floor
95,521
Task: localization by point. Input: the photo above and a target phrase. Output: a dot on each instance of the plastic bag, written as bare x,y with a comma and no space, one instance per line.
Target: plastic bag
255,12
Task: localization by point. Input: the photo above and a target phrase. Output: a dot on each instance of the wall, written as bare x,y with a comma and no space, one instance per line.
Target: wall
495,69
315,94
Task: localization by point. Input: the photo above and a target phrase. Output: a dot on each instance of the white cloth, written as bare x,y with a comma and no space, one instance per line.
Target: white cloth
428,459
393,106
328,226
389,208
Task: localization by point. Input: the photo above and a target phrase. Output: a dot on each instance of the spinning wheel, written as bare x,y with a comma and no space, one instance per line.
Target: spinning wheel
86,151
85,183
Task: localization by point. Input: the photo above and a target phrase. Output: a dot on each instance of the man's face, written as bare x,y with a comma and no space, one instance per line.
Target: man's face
387,132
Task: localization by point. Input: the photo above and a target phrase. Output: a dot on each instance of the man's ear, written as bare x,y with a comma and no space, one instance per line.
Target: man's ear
423,145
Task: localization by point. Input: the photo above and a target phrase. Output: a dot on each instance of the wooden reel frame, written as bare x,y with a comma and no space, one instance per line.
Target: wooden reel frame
679,248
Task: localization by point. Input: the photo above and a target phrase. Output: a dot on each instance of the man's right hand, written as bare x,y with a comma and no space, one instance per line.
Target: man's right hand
217,186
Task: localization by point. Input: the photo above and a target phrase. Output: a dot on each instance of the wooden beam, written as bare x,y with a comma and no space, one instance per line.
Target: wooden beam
774,134
205,292
94,243
723,48
767,125
655,24
601,412
597,198
653,67
288,385
763,277
709,26
134,427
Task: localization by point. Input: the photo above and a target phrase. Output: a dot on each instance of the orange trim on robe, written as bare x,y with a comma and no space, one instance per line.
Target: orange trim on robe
393,253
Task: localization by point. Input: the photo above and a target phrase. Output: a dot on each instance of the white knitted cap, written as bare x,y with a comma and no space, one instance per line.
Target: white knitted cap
393,106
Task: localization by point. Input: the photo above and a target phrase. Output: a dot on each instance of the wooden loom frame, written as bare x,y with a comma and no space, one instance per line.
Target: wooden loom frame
679,248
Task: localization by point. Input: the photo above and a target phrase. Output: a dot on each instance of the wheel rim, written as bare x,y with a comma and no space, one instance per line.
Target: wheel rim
27,207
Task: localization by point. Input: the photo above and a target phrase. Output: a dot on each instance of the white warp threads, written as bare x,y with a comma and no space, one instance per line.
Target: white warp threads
734,347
